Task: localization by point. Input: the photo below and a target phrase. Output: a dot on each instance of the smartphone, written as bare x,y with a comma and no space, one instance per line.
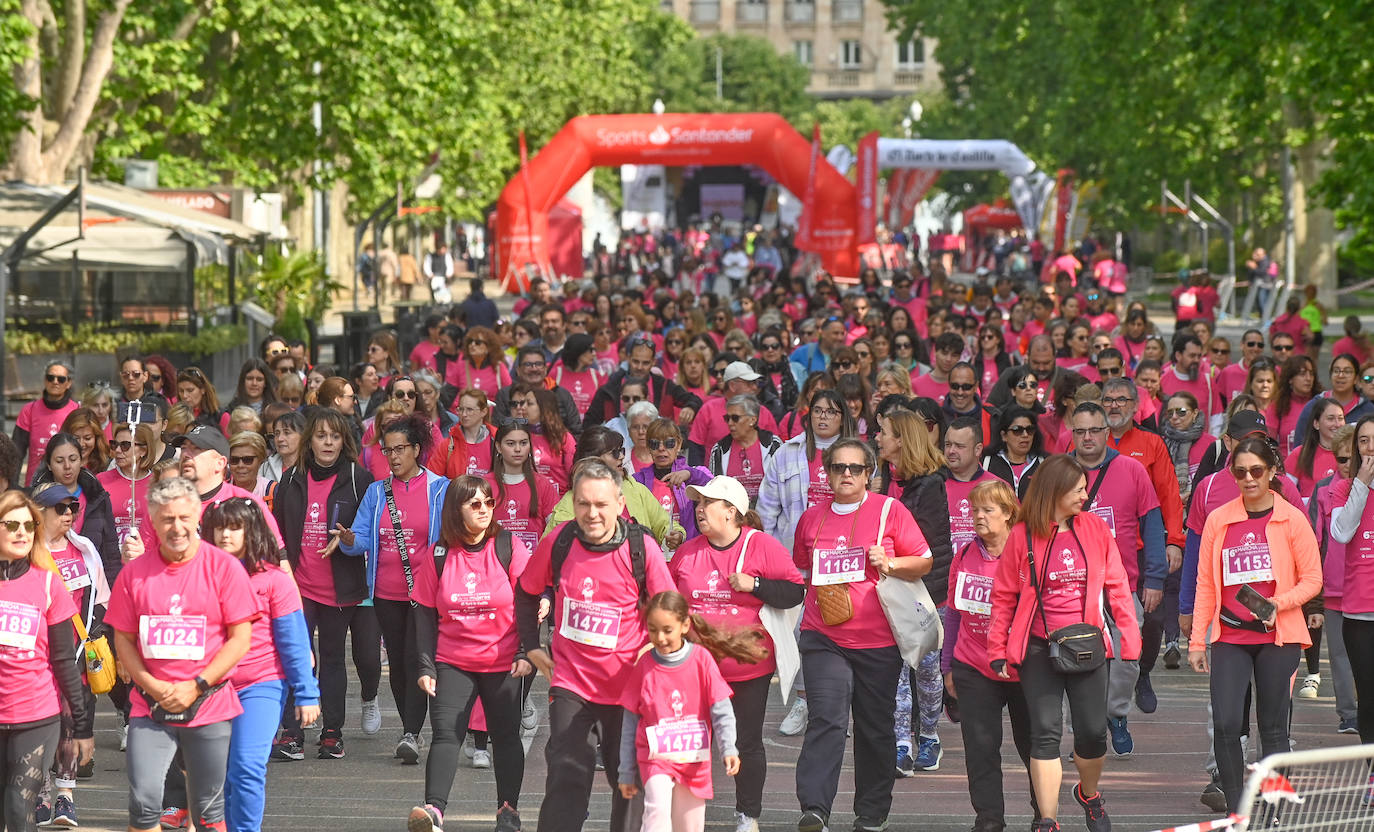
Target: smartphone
1262,608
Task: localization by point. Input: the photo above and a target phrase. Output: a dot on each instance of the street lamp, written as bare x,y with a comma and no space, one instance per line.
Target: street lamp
658,106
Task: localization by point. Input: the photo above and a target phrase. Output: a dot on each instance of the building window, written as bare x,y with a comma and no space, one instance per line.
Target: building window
847,11
851,54
752,11
911,53
802,49
800,11
705,11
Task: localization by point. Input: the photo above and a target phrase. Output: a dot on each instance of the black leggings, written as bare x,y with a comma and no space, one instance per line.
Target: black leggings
1313,654
1045,689
396,619
456,691
750,700
25,755
981,701
1233,666
1359,645
334,625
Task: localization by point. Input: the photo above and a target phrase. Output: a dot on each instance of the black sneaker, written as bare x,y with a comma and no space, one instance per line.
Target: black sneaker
1094,810
408,749
507,819
862,824
1145,698
1045,825
86,770
1213,797
287,749
600,761
331,745
1172,656
812,821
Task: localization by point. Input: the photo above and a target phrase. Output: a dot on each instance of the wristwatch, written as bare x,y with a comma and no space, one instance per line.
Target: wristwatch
891,565
201,684
756,585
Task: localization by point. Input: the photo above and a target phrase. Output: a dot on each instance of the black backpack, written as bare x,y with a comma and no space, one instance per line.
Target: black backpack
503,553
562,547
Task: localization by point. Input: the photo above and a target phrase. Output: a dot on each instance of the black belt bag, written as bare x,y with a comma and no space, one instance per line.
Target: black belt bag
1077,648
165,717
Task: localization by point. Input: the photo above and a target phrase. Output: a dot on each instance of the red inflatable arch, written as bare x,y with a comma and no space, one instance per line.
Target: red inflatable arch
674,139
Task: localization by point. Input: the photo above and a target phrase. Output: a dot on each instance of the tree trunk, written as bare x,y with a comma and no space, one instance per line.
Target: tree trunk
26,148
73,53
58,155
1315,226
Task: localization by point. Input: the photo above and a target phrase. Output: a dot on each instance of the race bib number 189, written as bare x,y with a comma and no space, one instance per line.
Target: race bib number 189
19,625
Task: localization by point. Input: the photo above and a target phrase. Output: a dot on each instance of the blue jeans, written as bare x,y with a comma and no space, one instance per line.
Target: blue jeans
245,782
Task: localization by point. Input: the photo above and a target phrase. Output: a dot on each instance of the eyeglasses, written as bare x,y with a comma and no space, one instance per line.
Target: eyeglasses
476,503
404,394
56,379
1021,430
1116,401
825,411
662,444
845,363
677,342
396,449
531,365
631,399
242,460
13,525
1254,344
465,410
853,469
1178,411
902,345
1219,351
1254,472
1080,433
1342,371
988,336
1026,385
961,388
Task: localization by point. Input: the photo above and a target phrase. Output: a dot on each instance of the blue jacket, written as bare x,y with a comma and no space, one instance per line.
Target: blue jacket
700,476
367,523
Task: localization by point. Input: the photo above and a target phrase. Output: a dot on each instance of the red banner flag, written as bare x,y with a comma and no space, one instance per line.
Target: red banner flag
896,186
917,186
805,224
866,188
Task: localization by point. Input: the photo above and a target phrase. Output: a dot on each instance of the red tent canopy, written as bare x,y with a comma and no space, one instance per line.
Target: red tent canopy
997,215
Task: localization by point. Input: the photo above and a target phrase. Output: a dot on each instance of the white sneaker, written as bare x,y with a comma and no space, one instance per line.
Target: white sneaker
468,748
744,823
372,717
124,737
481,758
529,720
1308,690
795,721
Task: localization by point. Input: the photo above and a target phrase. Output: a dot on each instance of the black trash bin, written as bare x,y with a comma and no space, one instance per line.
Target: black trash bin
357,329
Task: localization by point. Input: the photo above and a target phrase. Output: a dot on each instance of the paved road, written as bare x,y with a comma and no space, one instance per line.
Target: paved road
1155,788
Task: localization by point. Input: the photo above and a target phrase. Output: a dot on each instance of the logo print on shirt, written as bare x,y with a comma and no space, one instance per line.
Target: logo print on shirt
174,605
472,464
820,475
314,512
667,501
841,541
1249,539
678,704
512,509
1067,557
746,466
963,508
471,583
588,588
713,580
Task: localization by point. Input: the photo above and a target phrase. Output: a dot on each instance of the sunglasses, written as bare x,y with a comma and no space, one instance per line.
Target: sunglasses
1254,344
618,453
1254,472
1217,351
404,394
902,345
960,388
735,417
1021,430
772,345
55,379
845,363
1367,379
477,503
1178,411
1026,385
717,373
13,525
662,444
155,377
131,373
65,507
839,469
121,445
631,399
1283,348
242,460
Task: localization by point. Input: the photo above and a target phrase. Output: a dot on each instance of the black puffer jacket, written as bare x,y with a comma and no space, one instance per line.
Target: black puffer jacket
97,524
289,507
927,501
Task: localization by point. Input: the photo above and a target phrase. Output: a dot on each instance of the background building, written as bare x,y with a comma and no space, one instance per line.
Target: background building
847,43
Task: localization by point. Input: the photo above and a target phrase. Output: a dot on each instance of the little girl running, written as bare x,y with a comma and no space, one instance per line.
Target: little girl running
673,691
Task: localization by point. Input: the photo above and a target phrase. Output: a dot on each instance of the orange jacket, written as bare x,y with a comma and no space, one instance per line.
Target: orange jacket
1148,449
447,455
1297,566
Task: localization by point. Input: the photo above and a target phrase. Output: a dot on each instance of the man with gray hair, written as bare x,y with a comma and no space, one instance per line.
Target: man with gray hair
745,449
182,620
40,420
601,568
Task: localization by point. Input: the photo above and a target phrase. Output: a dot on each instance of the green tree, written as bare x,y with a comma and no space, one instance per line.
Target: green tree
754,77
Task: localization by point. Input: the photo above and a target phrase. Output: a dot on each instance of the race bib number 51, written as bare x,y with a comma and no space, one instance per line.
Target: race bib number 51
174,637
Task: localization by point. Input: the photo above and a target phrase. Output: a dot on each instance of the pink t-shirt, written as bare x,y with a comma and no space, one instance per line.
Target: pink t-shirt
834,547
1208,398
423,356
1285,429
1132,351
1323,466
557,467
276,595
1245,559
1125,496
1216,490
125,498
960,511
1063,583
702,573
42,425
926,385
597,628
1357,590
1350,346
818,491
181,613
489,379
412,501
746,466
516,511
664,495
1230,382
29,605
581,386
970,592
674,708
709,426
314,573
475,602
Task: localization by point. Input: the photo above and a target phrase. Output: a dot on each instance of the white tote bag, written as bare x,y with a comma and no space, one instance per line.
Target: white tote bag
781,626
909,609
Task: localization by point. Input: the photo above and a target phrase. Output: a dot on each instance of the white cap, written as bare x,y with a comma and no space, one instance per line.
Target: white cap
741,371
721,488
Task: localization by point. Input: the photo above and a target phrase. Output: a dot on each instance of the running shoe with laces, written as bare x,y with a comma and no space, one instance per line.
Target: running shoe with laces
744,823
507,819
174,818
812,821
86,770
371,717
64,813
288,748
1045,825
862,824
1172,656
795,721
481,758
929,753
906,766
408,749
425,819
1310,686
1145,698
1094,810
529,720
1349,725
1213,797
42,813
1122,742
331,745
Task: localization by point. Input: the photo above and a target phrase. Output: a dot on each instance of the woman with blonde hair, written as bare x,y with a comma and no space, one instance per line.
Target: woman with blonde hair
100,398
913,471
95,449
890,381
